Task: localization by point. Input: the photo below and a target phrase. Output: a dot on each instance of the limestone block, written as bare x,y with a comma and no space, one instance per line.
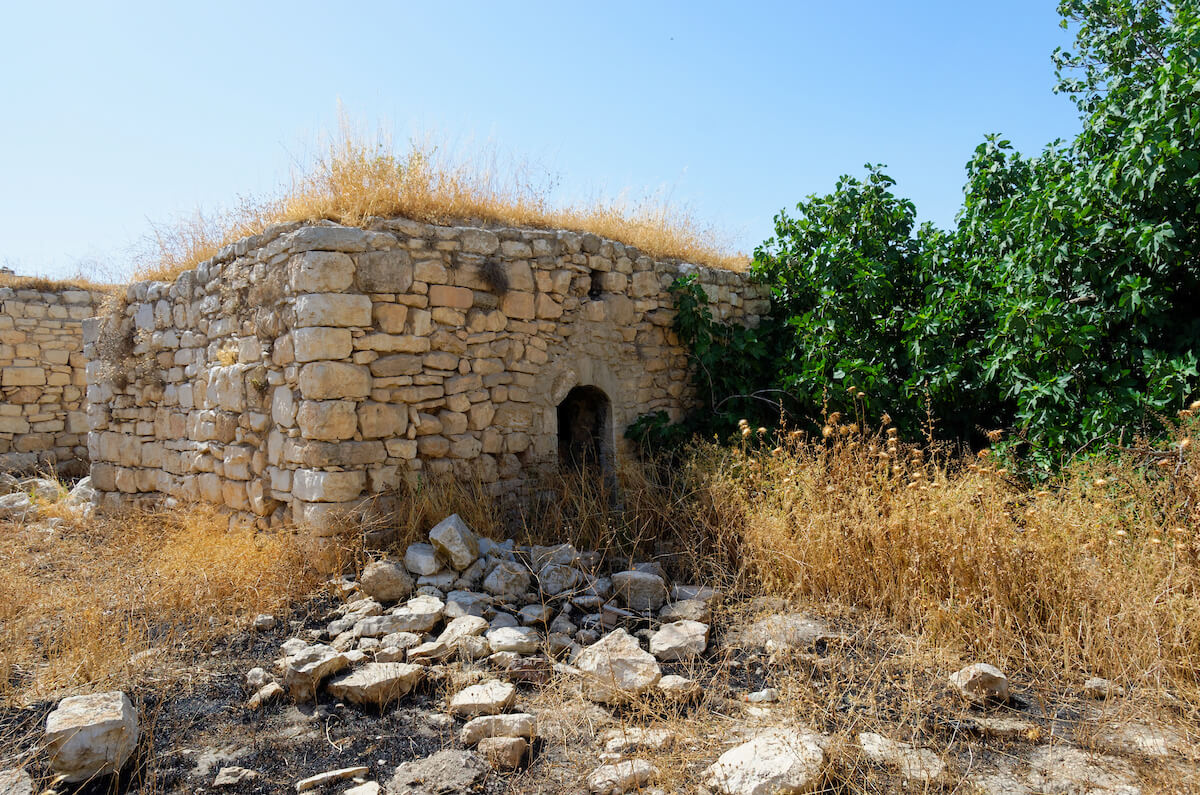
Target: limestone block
389,343
382,420
283,406
328,420
313,485
478,241
91,735
398,364
385,271
333,309
22,376
390,318
325,380
320,342
645,283
453,297
320,272
328,454
329,238
518,305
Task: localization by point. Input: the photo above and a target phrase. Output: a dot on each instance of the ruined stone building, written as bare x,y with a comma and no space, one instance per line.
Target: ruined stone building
304,371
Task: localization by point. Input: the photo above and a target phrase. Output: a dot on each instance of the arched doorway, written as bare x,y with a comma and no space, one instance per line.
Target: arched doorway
585,430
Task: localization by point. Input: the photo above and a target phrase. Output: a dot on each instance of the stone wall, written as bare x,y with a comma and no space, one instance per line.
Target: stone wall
303,371
42,421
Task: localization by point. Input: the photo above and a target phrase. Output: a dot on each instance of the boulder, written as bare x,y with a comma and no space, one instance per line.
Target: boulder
503,753
303,671
486,698
463,627
776,761
386,581
16,506
980,682
506,579
615,668
680,640
687,610
89,736
520,724
556,579
422,560
377,683
455,542
640,590
419,614
622,777
522,640
466,603
444,773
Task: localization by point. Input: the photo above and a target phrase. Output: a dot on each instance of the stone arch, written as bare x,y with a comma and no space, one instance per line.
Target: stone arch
585,430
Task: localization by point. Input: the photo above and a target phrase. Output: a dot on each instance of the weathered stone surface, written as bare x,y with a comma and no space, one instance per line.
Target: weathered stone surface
385,271
455,542
232,776
522,640
377,683
330,776
463,627
783,632
507,579
422,560
913,764
89,736
317,343
304,670
556,579
334,380
639,590
615,668
687,610
444,773
981,682
624,776
313,485
681,640
520,724
321,272
487,698
631,739
386,581
776,761
15,781
503,753
333,309
419,614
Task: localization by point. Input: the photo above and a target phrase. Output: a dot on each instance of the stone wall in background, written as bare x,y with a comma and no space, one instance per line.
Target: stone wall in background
42,379
307,372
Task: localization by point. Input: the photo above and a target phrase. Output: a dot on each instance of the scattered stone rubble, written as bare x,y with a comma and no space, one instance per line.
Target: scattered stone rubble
478,620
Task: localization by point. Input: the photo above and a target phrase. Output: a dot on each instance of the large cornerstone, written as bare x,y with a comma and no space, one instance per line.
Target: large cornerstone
303,374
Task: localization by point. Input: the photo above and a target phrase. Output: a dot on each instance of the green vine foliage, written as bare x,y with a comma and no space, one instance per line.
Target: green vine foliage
1064,306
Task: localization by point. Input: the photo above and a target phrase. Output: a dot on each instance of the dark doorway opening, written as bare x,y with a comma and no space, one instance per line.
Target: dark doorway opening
584,422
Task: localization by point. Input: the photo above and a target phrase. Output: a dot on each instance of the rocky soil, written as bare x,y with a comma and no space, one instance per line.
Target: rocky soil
475,666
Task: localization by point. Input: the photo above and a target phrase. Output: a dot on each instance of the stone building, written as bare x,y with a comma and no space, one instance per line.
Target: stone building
303,372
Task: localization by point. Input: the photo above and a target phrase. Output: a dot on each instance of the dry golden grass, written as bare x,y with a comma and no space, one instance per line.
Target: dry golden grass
54,285
356,180
95,603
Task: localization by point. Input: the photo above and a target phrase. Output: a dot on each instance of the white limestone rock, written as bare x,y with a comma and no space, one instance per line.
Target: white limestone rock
914,764
522,640
463,627
304,670
640,590
503,753
377,683
15,781
419,614
455,542
980,682
615,668
520,724
93,735
486,698
556,579
622,777
506,579
386,581
776,761
422,560
680,640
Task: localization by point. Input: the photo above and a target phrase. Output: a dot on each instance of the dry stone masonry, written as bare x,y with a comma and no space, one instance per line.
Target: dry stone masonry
42,379
301,373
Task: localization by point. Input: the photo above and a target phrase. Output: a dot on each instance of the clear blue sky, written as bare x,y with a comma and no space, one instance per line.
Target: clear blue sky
113,116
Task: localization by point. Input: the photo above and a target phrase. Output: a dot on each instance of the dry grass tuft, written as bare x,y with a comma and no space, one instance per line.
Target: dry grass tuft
356,180
93,604
53,285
